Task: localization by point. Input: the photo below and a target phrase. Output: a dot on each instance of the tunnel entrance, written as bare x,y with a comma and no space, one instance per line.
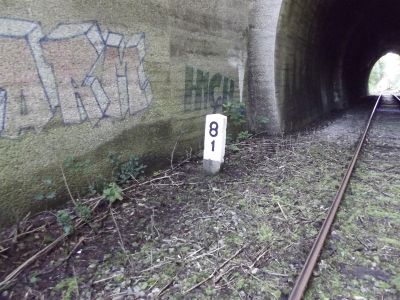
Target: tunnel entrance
322,53
385,75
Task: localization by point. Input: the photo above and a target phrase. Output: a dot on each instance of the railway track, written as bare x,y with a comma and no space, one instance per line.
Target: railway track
313,257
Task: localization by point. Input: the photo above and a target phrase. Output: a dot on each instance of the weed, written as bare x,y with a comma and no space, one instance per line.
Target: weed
236,113
45,196
125,171
50,194
241,283
396,282
68,287
210,291
243,135
264,233
113,193
34,279
234,148
64,219
73,165
130,170
83,211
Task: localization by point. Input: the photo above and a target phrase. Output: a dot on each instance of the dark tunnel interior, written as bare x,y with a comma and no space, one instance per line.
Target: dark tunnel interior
326,50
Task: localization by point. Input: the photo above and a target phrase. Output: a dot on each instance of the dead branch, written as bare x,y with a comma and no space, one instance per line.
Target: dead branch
121,241
165,288
23,234
10,277
258,258
173,150
213,274
67,186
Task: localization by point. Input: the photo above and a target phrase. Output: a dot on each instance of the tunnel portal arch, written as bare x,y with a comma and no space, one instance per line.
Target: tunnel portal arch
322,55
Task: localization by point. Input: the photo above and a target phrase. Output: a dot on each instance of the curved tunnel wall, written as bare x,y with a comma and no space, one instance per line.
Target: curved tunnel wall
324,51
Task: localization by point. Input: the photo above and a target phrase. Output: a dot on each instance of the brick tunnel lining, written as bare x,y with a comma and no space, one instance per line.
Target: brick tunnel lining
325,51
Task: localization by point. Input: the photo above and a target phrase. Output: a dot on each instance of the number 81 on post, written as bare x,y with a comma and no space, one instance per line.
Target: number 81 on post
215,138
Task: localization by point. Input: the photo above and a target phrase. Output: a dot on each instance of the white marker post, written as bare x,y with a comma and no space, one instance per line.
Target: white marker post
214,143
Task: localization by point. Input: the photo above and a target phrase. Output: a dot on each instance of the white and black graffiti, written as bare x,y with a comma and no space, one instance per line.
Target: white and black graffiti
87,74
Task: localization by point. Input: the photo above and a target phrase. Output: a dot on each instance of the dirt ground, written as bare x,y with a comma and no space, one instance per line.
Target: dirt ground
243,234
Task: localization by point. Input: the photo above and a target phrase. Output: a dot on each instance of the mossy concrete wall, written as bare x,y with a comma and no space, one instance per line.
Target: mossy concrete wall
83,79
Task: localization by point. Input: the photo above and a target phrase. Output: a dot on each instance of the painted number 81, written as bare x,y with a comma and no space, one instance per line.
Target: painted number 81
213,133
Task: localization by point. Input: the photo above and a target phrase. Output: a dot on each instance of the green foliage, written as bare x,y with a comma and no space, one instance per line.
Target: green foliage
97,185
68,287
34,279
45,196
232,147
74,165
83,211
113,193
385,75
50,194
376,75
264,233
125,171
396,282
64,219
236,113
263,120
130,169
243,135
47,180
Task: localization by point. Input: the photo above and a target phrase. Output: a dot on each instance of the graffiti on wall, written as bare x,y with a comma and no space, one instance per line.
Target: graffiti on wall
203,91
86,74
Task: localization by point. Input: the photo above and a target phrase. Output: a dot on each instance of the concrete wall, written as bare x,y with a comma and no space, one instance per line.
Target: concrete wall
82,79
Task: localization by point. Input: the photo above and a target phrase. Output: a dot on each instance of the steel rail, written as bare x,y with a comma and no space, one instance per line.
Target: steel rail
397,98
308,268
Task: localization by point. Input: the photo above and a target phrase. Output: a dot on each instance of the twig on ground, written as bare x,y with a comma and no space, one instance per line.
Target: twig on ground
121,241
156,266
114,276
218,279
66,258
194,253
2,250
76,283
165,288
67,186
11,277
213,274
275,274
173,150
23,234
203,255
366,247
258,258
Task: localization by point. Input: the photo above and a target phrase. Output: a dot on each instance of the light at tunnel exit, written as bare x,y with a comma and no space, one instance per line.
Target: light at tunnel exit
385,75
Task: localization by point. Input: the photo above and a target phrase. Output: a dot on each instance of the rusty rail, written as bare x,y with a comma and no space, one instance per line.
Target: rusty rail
397,98
306,273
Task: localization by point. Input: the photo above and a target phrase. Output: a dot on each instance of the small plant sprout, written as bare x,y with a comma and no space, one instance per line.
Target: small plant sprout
64,219
83,211
113,193
244,135
125,171
236,112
